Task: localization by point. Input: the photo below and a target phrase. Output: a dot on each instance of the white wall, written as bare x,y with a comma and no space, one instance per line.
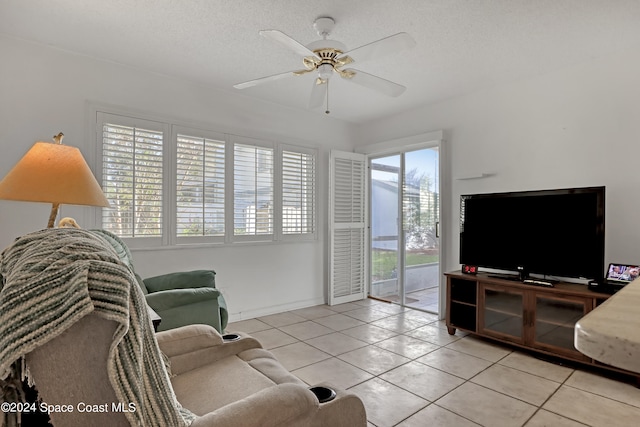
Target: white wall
573,128
577,127
44,91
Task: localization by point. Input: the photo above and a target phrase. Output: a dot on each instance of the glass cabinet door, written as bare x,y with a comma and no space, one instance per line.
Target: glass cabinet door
555,320
502,314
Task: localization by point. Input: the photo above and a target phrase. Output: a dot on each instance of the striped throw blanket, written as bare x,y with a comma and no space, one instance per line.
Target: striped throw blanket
51,279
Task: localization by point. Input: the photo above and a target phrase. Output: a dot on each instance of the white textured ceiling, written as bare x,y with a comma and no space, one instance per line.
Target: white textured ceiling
462,45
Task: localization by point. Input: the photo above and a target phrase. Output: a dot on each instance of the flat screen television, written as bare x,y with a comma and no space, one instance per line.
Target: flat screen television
548,232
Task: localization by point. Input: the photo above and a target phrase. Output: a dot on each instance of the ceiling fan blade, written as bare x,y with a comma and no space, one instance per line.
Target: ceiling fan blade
381,47
301,72
288,42
262,80
318,93
376,83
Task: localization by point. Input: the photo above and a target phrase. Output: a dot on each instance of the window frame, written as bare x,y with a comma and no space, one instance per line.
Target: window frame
170,130
251,142
173,229
314,198
103,118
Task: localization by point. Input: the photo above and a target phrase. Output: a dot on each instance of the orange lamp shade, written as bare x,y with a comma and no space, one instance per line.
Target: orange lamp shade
53,173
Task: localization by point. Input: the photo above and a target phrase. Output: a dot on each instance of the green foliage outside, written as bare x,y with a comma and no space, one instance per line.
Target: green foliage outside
384,263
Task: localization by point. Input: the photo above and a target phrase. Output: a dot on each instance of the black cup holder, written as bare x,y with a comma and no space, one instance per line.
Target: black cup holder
231,337
323,394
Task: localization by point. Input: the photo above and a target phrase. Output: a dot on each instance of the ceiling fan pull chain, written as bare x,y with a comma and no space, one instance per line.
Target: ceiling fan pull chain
327,110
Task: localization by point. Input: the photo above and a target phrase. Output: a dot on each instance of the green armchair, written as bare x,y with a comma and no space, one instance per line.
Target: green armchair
180,299
186,298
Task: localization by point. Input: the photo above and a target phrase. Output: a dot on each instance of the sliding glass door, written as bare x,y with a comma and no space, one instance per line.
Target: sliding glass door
405,209
385,228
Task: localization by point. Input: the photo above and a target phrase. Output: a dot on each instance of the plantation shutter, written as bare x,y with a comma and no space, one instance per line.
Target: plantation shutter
132,177
252,191
347,231
200,187
298,193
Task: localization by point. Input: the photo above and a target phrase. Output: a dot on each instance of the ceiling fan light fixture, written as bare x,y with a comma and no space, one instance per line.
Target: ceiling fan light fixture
325,71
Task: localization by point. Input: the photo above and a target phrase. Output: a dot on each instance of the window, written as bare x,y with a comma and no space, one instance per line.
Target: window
200,185
132,180
171,184
298,192
252,190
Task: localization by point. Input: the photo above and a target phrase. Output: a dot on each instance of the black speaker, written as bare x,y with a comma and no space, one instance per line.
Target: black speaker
603,288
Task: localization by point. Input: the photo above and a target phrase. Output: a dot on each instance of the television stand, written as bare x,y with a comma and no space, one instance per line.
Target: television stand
538,318
529,280
512,277
538,282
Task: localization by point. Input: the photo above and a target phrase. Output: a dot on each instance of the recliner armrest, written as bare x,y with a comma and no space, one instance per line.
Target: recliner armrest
187,339
181,280
281,405
165,300
192,346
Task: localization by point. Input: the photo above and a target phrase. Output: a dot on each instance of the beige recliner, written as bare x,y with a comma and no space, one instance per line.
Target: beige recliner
75,312
227,383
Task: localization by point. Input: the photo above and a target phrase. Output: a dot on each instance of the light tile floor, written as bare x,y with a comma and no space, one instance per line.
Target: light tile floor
410,372
427,299
423,299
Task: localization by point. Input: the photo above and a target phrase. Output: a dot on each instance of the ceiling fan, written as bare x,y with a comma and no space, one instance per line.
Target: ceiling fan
326,57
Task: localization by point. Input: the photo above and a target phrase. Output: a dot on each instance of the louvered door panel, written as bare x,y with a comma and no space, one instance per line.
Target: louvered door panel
347,196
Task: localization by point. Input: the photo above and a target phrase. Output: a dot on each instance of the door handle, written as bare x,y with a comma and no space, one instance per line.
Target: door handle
438,230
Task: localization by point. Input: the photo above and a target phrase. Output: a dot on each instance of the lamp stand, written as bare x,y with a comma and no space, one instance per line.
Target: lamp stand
53,214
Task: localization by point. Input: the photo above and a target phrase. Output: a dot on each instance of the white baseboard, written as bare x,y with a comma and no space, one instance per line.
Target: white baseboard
274,309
